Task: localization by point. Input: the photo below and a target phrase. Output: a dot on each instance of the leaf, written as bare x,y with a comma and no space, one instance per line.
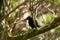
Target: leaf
45,19
57,30
49,18
11,17
12,3
57,2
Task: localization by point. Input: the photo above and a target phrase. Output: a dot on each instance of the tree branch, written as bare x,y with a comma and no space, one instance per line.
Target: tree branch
12,11
55,23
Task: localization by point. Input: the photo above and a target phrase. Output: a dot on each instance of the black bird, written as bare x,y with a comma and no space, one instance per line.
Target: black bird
31,23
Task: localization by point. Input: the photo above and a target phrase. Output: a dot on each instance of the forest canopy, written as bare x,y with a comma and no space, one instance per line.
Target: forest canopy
26,19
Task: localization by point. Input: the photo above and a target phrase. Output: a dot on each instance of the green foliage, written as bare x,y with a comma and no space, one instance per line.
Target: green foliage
11,17
45,19
57,2
57,30
14,3
49,18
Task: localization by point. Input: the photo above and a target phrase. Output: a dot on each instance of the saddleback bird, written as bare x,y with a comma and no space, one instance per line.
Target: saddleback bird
31,22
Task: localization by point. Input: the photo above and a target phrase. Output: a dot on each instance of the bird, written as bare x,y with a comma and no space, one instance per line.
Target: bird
31,22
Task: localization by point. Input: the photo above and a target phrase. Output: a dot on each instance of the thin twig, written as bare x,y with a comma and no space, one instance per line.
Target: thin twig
12,11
